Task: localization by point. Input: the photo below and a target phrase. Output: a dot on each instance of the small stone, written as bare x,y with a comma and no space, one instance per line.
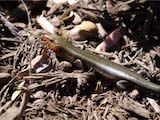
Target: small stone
85,30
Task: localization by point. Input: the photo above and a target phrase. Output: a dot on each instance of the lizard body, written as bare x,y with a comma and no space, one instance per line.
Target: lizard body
103,66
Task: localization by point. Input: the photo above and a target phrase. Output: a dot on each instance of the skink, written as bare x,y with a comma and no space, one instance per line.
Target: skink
103,66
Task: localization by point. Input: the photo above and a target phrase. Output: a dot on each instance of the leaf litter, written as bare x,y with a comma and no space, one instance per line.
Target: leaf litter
36,84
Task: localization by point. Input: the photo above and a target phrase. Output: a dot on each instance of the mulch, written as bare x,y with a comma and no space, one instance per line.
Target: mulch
37,84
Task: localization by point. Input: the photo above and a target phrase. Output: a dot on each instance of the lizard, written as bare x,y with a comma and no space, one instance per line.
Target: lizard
105,67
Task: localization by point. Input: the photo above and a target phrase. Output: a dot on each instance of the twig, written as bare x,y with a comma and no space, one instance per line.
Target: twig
29,20
10,39
11,54
23,105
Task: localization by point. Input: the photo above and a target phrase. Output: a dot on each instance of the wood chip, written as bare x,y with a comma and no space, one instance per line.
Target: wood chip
154,104
135,107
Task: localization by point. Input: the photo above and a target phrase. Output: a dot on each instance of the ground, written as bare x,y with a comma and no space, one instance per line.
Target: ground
38,82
